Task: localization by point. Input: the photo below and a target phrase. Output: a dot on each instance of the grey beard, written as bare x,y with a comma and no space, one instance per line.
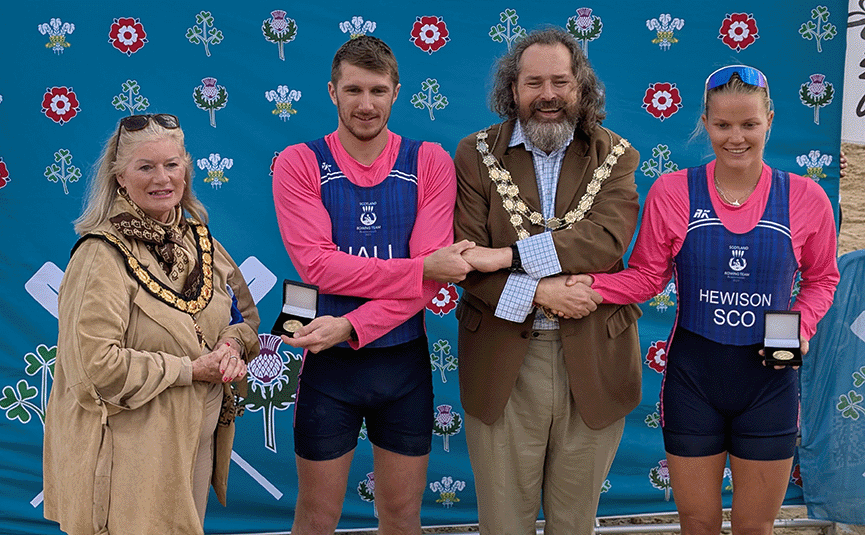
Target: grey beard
549,136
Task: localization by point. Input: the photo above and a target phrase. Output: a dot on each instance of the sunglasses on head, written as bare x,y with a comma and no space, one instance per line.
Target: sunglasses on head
749,75
133,123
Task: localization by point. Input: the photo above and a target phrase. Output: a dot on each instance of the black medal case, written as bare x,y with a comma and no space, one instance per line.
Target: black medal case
299,307
781,345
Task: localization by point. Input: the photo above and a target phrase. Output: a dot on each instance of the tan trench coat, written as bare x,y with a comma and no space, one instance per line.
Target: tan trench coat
123,418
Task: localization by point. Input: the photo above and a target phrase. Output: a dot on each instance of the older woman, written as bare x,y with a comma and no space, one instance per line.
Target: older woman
733,227
155,324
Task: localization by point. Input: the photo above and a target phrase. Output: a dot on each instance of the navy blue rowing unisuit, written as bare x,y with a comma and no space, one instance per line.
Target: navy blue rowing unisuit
717,396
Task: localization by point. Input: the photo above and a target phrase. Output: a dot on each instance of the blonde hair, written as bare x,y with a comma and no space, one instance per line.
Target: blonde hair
734,86
103,186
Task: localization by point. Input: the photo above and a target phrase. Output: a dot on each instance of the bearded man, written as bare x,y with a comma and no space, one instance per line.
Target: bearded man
546,195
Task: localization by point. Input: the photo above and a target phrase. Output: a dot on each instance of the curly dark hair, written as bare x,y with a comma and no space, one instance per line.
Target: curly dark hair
590,90
366,52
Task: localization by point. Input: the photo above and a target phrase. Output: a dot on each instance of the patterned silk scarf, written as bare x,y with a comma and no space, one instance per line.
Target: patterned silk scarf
164,240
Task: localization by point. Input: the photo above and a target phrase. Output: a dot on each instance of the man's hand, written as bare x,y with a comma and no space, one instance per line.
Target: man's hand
567,296
447,264
487,260
320,334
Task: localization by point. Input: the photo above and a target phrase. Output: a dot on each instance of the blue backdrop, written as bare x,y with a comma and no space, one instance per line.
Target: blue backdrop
249,78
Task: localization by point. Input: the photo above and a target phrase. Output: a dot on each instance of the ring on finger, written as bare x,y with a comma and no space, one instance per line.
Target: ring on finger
232,357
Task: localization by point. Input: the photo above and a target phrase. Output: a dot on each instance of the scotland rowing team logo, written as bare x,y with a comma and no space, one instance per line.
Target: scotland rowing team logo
367,216
738,263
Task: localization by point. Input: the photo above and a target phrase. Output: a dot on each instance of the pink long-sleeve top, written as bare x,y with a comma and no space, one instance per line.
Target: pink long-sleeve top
665,224
395,287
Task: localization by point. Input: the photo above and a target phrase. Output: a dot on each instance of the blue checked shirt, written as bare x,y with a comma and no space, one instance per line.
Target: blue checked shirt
538,253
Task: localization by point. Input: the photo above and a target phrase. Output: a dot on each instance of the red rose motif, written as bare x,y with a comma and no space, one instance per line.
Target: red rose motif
738,31
429,33
444,301
60,104
127,35
662,100
796,476
4,174
656,357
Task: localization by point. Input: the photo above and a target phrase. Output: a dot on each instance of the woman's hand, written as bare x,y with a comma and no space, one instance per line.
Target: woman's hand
221,365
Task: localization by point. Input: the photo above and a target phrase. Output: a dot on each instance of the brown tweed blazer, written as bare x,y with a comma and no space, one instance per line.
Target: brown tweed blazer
602,352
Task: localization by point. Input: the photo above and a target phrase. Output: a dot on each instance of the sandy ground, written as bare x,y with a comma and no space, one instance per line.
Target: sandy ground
852,235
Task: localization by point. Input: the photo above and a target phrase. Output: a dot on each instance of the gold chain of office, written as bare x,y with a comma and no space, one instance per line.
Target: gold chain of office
517,207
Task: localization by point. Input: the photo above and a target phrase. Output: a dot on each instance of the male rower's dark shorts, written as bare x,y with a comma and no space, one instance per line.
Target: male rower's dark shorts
390,387
717,397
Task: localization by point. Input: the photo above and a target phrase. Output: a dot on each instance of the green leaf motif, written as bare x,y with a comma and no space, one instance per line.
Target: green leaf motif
859,377
204,17
848,405
194,35
443,346
820,12
831,31
509,15
52,172
63,155
808,30
497,33
215,36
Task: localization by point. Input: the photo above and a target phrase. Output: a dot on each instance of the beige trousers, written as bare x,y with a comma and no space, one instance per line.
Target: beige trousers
540,447
203,470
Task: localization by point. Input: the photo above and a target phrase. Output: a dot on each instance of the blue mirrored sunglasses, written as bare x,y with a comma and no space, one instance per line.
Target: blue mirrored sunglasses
749,75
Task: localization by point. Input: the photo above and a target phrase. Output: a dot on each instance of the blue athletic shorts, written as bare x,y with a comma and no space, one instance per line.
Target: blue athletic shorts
718,398
390,387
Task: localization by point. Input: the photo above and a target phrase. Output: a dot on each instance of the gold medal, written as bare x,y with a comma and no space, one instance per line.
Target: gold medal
293,325
782,355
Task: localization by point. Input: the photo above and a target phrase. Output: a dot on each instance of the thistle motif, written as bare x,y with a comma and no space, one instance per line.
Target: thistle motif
215,169
510,33
199,33
279,29
426,99
65,172
442,359
366,491
56,30
664,26
129,99
814,162
820,30
447,489
283,98
817,94
272,383
210,97
447,423
659,476
585,27
357,27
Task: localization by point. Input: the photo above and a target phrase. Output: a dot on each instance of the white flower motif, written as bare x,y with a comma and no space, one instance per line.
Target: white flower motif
738,31
662,100
429,34
60,104
127,35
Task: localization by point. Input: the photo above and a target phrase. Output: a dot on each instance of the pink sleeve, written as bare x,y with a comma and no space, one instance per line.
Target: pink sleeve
433,230
812,224
662,231
306,231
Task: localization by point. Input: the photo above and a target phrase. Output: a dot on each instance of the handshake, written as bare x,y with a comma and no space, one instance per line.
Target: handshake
562,296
